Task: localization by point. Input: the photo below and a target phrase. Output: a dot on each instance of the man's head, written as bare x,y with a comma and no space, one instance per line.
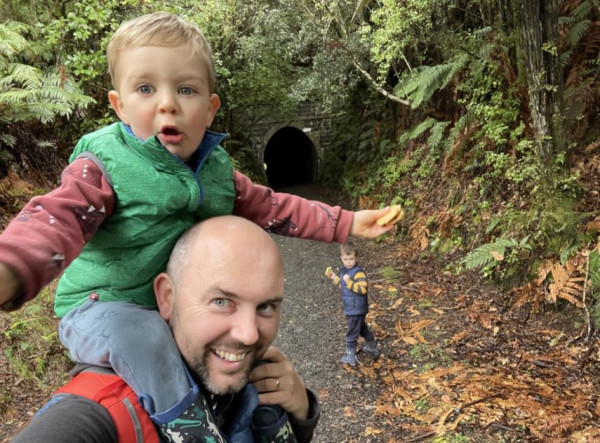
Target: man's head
221,295
163,76
348,254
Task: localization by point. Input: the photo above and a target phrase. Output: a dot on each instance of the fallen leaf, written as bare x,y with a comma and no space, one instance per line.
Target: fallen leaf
369,431
409,340
458,337
397,303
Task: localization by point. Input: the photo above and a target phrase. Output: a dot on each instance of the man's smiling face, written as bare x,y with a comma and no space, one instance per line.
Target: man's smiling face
226,309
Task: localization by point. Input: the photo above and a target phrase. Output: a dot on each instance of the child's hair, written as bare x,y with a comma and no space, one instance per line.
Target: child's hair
348,248
160,29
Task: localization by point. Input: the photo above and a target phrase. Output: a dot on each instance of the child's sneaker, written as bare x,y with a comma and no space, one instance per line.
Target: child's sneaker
350,357
371,348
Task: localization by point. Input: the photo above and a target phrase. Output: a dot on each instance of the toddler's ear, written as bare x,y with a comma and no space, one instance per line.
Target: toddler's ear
115,101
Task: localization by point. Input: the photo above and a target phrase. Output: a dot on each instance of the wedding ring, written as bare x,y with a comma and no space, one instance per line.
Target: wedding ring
277,383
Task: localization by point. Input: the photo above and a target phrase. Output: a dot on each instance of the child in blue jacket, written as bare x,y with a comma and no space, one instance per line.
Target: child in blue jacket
353,283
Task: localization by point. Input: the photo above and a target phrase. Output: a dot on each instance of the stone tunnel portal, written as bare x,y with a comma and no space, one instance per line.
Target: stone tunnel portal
290,158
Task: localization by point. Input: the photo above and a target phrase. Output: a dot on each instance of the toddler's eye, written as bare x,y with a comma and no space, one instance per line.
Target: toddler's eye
185,90
145,89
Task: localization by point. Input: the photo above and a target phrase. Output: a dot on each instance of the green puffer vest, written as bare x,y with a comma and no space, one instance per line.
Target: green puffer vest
157,197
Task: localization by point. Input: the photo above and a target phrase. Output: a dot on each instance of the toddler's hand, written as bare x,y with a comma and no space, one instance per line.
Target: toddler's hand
347,278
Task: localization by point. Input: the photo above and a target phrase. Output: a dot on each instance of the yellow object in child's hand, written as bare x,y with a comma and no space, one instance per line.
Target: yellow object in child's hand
392,216
328,271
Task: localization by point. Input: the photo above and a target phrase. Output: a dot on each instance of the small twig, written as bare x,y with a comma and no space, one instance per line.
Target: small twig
542,364
385,279
505,428
587,311
474,402
421,437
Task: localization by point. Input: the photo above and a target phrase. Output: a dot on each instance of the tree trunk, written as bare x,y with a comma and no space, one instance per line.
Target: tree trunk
537,28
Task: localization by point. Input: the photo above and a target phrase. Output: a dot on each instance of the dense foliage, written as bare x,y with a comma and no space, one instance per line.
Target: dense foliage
478,116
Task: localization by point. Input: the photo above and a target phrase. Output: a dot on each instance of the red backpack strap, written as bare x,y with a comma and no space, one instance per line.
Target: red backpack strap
108,389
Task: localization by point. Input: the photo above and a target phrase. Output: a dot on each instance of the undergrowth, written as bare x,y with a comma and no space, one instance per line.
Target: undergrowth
30,343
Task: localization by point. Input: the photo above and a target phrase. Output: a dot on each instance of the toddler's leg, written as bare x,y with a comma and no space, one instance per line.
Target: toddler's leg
352,331
371,346
365,332
136,342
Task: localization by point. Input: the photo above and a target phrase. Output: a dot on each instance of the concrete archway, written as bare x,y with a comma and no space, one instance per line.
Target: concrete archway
290,158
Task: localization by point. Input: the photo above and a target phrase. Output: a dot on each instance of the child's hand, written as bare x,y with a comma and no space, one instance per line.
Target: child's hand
333,276
346,278
9,284
365,223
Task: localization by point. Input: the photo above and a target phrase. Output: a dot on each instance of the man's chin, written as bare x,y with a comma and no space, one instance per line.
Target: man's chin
225,384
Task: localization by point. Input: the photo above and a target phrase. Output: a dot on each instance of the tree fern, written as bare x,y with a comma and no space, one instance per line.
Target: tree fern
423,82
27,93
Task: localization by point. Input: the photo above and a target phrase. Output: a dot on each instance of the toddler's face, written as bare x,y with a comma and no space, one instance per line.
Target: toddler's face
163,91
349,260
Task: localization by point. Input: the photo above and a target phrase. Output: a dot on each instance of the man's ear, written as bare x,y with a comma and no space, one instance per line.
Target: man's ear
215,103
115,101
164,291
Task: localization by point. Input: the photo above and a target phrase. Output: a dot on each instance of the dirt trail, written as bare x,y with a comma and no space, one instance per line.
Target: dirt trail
456,361
312,333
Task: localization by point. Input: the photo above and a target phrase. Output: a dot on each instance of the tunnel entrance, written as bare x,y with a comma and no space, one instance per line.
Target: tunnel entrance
289,158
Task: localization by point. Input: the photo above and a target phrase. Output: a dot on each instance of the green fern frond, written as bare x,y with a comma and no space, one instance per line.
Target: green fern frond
417,130
492,253
468,119
8,140
577,32
594,269
583,10
424,81
437,134
566,21
483,32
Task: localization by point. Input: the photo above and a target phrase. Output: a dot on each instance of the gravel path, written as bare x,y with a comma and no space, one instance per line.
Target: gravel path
312,335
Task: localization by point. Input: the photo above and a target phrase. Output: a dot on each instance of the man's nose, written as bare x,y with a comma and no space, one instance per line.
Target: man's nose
245,328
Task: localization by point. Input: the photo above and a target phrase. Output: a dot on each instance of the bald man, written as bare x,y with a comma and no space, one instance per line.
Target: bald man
221,297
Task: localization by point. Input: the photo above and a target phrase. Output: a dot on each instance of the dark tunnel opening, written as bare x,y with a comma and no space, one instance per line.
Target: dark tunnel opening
289,158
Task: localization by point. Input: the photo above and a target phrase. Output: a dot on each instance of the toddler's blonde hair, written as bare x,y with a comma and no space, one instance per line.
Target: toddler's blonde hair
160,29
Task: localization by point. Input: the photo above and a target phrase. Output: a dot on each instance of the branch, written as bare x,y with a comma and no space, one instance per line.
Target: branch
377,87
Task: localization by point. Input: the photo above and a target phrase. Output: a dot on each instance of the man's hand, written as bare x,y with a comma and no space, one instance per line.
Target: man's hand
365,223
279,384
9,284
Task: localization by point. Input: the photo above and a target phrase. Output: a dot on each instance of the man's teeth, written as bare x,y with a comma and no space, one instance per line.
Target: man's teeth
229,356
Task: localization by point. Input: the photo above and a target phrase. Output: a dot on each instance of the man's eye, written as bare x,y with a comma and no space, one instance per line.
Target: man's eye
269,307
185,90
222,302
145,89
